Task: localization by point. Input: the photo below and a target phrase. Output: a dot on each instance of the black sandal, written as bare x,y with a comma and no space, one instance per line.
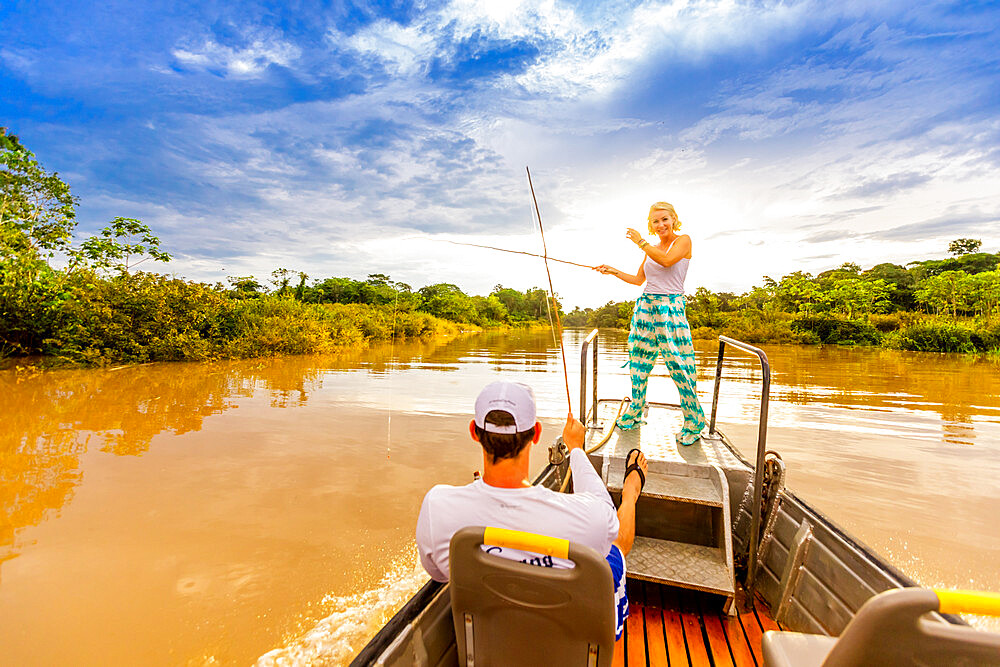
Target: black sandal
629,467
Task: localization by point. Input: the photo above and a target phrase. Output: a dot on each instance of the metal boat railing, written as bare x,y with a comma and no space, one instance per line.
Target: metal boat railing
591,338
755,518
758,475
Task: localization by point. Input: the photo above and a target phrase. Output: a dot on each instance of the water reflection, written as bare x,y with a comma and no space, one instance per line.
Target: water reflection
233,498
51,418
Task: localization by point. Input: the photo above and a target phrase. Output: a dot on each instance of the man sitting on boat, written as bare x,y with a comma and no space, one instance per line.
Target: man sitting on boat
505,427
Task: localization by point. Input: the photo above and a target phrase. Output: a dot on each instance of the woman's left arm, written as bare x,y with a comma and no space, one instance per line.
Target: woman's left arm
680,249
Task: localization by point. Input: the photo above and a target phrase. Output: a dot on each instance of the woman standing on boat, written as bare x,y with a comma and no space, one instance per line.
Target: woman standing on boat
659,325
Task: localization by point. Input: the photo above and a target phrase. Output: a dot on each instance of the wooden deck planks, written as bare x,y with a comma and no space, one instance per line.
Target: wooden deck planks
669,627
718,643
693,635
673,628
741,651
635,636
763,616
751,628
656,642
635,627
618,659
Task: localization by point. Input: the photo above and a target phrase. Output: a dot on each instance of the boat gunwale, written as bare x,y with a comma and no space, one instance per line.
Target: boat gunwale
878,561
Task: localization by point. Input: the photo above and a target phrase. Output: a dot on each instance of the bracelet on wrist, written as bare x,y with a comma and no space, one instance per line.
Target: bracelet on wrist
643,243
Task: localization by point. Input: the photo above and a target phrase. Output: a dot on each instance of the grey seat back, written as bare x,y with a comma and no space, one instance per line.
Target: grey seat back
892,628
512,613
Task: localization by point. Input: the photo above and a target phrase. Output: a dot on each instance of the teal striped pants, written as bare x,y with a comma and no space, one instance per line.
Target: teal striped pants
659,327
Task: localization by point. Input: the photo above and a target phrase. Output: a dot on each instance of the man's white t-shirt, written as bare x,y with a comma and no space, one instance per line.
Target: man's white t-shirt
586,516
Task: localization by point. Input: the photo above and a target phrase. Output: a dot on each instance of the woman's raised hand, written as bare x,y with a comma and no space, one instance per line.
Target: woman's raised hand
633,235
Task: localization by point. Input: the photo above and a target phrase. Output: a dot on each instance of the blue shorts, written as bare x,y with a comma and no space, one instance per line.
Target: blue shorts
617,562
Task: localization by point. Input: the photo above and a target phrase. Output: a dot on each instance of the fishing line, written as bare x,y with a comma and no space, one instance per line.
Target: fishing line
517,252
552,293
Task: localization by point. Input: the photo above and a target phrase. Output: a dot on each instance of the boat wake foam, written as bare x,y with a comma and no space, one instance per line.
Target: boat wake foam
356,618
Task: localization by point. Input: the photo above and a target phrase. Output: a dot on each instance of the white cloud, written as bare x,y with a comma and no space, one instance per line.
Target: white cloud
599,56
17,61
405,51
583,53
248,61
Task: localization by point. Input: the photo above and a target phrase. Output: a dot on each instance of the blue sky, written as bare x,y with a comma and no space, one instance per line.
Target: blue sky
343,139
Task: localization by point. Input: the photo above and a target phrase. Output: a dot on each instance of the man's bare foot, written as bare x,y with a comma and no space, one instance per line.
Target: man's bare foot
636,468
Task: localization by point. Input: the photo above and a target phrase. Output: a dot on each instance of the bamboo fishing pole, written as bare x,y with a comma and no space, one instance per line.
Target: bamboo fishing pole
552,293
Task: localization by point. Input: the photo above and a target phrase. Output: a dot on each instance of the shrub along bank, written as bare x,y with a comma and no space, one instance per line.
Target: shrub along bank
134,318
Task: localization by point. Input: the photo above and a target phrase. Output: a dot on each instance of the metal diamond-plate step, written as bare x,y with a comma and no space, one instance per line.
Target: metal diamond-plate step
698,490
685,565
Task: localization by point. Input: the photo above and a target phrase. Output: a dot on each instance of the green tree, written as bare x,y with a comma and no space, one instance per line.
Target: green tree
984,292
37,218
532,304
378,289
300,289
845,270
123,244
728,301
245,287
976,262
336,290
855,296
447,301
280,278
797,291
491,309
902,281
616,315
9,141
578,317
703,308
513,301
945,292
759,298
37,210
964,246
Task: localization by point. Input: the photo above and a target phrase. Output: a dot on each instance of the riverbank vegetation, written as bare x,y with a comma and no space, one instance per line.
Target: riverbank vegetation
86,302
938,305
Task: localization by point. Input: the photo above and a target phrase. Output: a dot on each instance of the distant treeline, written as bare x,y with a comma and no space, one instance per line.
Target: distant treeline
445,300
85,302
942,305
86,317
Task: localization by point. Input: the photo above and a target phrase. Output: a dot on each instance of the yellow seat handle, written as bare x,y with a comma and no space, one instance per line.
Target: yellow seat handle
516,539
983,603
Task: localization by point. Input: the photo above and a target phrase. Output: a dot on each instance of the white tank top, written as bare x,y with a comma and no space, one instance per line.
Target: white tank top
665,279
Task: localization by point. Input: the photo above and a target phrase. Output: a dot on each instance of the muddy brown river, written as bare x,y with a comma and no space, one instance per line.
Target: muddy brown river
263,511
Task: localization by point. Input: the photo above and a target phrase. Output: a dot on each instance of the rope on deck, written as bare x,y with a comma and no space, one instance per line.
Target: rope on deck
604,441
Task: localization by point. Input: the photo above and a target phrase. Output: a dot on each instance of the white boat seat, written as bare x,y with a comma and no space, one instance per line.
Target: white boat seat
512,613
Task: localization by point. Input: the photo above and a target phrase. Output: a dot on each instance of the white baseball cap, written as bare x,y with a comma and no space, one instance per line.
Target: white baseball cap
514,398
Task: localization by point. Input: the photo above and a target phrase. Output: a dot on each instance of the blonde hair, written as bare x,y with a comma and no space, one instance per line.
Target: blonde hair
662,206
